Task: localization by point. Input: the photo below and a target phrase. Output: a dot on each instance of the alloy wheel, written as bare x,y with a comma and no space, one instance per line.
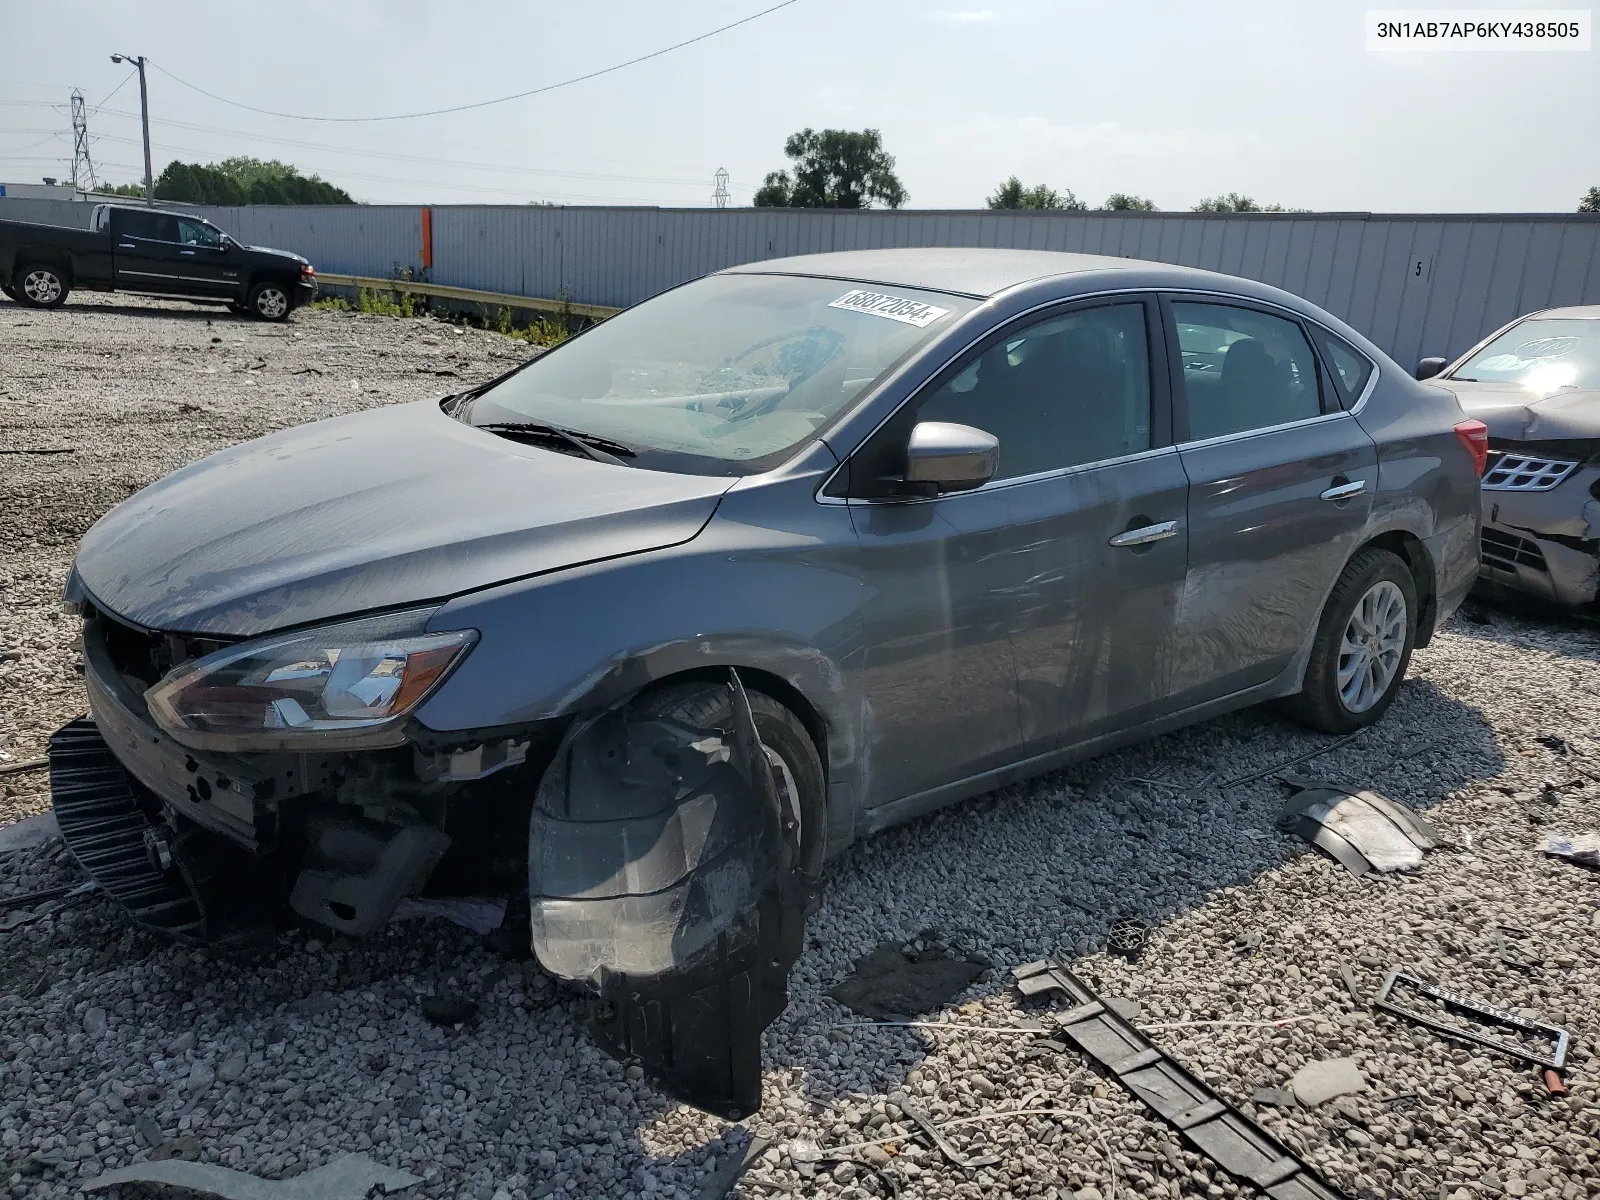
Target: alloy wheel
42,287
272,303
1370,650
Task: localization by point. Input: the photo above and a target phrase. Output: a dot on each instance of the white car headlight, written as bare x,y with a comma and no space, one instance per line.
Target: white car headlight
345,686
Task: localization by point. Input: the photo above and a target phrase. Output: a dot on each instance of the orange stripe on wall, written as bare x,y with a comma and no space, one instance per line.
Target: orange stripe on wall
427,238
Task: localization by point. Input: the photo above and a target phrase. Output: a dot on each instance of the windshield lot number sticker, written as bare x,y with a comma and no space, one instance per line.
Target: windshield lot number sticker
896,308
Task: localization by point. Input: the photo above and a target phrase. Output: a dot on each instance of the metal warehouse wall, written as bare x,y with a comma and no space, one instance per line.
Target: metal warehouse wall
1415,284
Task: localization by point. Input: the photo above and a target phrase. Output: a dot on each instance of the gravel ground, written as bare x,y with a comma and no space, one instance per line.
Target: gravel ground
113,1040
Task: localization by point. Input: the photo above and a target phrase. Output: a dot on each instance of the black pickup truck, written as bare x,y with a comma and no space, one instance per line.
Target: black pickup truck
138,249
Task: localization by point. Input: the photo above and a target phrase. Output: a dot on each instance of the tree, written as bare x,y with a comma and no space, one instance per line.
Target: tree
1011,194
1123,202
833,168
239,180
1232,202
1590,201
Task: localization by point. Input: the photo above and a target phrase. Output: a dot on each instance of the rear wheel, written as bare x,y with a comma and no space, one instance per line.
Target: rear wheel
1363,646
269,301
41,286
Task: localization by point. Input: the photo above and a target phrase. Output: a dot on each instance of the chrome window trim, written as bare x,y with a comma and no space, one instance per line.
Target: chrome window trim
1372,382
1224,438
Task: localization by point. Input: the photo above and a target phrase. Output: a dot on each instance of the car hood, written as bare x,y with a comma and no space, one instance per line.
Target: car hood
299,258
379,509
1515,414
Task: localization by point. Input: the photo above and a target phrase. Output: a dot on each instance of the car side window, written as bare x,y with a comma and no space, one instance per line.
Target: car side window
152,227
1350,368
1243,369
198,233
1067,390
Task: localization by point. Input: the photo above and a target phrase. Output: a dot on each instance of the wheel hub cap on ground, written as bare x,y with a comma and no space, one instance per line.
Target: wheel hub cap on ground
1369,652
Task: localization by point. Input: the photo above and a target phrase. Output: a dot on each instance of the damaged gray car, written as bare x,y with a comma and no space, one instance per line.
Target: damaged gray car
1536,385
642,632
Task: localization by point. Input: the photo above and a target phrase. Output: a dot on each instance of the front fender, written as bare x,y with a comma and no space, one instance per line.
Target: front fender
769,586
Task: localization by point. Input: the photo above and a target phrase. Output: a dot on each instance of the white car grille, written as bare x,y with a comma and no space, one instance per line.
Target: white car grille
1525,473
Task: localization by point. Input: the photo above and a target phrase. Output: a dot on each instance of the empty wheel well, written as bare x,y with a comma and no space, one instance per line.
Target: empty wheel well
1415,555
775,686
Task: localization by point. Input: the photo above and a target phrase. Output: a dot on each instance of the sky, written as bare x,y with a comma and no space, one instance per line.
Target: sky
1167,99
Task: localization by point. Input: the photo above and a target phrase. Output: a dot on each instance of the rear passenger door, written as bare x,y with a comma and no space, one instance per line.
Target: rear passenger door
146,251
1280,486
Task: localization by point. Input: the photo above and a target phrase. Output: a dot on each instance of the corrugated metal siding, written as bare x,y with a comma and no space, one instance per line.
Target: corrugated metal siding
1478,271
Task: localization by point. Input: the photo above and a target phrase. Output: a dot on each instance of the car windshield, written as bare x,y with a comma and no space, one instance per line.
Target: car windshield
726,375
1540,355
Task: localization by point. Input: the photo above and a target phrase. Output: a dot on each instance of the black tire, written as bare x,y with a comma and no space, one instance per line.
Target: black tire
10,291
1321,704
41,285
707,706
270,300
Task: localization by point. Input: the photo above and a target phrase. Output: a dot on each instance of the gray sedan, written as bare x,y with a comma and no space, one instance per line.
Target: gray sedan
644,631
1536,385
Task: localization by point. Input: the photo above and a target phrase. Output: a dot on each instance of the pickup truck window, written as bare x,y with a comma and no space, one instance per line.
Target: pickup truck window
198,233
154,227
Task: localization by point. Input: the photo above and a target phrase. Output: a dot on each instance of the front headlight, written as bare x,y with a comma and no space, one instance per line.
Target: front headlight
346,686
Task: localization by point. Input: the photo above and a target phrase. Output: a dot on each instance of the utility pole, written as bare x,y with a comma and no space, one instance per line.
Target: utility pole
82,164
144,116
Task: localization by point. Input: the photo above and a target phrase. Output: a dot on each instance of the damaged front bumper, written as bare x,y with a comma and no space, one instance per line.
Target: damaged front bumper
226,841
1546,542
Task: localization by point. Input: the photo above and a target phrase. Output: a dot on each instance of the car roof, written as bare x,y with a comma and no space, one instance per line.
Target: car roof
982,272
970,271
1575,312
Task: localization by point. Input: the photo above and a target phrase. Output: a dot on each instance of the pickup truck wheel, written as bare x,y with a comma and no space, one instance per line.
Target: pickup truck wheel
41,286
8,290
269,301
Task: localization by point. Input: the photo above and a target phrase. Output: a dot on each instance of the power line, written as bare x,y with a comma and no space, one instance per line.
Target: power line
116,89
435,112
405,158
428,159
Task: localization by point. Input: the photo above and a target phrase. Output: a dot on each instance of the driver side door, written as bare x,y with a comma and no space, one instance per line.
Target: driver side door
206,267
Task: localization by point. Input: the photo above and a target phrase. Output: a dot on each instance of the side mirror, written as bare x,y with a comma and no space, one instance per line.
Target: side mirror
951,458
1429,367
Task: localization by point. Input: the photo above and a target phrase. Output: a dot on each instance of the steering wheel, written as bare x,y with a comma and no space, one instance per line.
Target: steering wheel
800,354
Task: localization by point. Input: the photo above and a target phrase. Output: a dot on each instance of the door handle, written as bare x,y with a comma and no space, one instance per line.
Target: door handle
1146,534
1344,491
126,246
190,253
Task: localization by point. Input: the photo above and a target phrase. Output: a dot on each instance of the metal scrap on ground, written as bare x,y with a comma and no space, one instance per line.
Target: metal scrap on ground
353,1177
1582,848
1554,1058
1363,830
1232,1141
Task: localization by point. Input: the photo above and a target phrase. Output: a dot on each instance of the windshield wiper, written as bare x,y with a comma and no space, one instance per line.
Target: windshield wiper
598,448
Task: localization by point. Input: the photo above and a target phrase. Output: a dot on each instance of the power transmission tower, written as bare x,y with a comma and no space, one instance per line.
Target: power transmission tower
720,196
82,165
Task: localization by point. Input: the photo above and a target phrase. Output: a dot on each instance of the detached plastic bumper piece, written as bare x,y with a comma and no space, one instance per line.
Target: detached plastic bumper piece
192,886
1235,1143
